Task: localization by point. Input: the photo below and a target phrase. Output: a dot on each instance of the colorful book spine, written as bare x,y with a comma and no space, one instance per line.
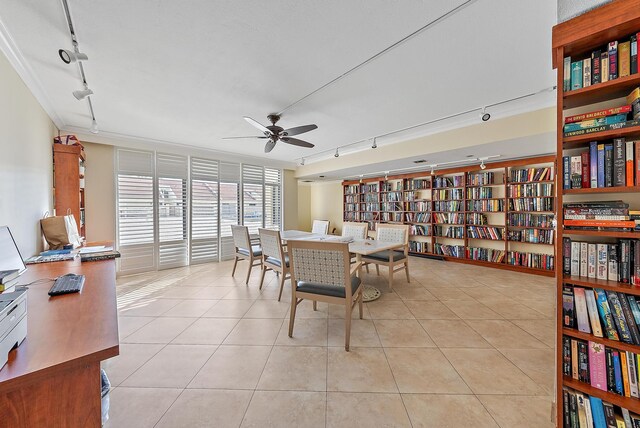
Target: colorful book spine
624,58
598,114
617,372
618,317
566,172
586,167
608,165
567,74
601,163
604,65
619,162
634,54
593,160
637,162
628,316
597,409
586,72
595,67
576,75
613,60
629,167
592,308
606,315
582,314
590,123
603,128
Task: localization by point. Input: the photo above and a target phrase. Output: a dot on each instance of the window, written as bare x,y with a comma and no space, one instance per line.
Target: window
204,210
272,198
173,249
252,197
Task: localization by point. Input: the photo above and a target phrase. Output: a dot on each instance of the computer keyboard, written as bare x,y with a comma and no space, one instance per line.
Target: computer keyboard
69,283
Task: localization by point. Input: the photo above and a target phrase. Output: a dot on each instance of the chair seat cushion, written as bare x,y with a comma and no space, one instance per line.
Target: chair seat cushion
384,256
328,290
257,251
277,262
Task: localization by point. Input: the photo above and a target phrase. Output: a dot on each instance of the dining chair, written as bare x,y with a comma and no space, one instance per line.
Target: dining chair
274,256
321,272
244,249
391,258
356,230
320,227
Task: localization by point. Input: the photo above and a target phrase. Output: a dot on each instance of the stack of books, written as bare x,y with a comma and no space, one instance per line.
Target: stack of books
532,236
619,262
8,280
530,174
449,250
597,121
485,254
616,59
600,215
580,409
485,232
532,260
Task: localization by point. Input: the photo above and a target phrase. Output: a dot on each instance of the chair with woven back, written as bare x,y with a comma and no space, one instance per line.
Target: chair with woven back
322,272
273,256
320,227
356,230
391,258
244,249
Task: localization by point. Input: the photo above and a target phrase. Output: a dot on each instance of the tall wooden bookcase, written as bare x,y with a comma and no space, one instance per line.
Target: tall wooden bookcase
577,38
462,215
68,182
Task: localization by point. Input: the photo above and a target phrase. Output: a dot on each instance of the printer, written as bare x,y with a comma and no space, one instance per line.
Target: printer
13,321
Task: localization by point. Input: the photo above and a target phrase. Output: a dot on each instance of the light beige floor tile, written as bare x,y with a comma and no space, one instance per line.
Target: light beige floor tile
389,310
128,325
206,331
190,308
373,410
430,310
363,333
295,368
545,307
422,370
471,310
244,292
206,408
519,411
173,367
233,367
487,371
213,293
339,312
535,363
359,370
505,334
132,357
268,309
454,334
402,333
229,309
177,292
139,407
160,330
543,330
305,310
414,292
306,332
284,409
447,293
447,411
514,310
149,307
254,332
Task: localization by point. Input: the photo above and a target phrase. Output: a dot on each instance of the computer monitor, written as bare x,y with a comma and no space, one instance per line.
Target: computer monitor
10,258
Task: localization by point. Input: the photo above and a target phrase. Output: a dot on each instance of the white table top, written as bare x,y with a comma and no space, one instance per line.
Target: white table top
358,246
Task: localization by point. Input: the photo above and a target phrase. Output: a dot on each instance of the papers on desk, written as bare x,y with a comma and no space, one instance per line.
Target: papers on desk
95,249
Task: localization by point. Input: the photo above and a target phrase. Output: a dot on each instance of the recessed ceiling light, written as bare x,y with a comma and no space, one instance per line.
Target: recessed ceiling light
321,176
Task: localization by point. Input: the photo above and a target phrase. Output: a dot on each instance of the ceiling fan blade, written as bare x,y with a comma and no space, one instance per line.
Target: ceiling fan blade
262,128
299,130
270,145
235,138
296,142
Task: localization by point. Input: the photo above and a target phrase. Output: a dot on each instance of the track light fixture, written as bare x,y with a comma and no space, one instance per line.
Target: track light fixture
70,56
81,95
374,145
386,175
433,172
484,115
94,127
482,165
302,162
361,175
337,154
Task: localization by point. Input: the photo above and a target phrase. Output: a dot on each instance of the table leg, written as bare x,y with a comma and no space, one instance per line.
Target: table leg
369,293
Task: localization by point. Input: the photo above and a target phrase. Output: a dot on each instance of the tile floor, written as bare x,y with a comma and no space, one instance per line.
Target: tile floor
460,346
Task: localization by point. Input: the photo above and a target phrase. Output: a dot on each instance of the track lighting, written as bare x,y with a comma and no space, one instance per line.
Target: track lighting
482,165
81,95
337,154
433,172
386,175
70,56
374,145
302,162
484,115
94,127
361,175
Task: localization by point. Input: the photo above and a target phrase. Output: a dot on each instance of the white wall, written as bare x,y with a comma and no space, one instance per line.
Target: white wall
26,175
100,193
568,9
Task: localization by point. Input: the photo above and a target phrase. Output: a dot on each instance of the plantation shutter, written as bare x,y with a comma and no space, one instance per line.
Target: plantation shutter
229,174
272,198
253,197
204,210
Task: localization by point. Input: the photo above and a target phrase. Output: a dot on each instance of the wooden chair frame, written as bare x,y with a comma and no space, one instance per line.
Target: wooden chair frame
240,239
365,229
350,299
391,264
283,271
325,224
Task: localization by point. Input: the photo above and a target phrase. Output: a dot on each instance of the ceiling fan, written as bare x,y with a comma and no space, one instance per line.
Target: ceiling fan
275,133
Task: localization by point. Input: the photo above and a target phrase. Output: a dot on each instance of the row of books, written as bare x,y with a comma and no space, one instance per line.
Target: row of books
447,194
615,164
477,219
531,204
614,115
531,189
389,186
532,260
454,232
448,206
582,410
391,206
489,205
530,220
602,312
411,195
417,184
480,178
449,250
391,216
417,206
602,367
479,192
453,181
619,262
448,218
485,254
616,59
485,232
423,217
391,197
352,199
351,189
418,247
600,215
531,236
417,229
530,174
370,197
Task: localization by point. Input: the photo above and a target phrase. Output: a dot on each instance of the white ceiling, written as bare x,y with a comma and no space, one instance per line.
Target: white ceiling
186,72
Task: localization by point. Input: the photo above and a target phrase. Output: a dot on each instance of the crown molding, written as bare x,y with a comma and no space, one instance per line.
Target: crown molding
24,70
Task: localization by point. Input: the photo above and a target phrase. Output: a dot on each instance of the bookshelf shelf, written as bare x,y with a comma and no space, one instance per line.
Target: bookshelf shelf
606,342
619,189
603,233
615,399
601,283
630,133
601,92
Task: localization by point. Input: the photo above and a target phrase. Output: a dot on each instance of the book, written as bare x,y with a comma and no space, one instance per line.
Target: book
595,67
584,257
636,157
619,162
597,410
612,271
575,259
624,109
604,66
601,166
624,59
586,167
576,170
567,74
628,316
618,372
611,376
625,374
566,256
576,75
601,261
625,261
606,315
633,374
7,276
593,161
590,123
603,128
626,417
574,359
568,311
586,72
618,317
629,167
635,308
635,272
609,415
566,356
587,408
582,315
592,308
566,172
582,411
592,260
633,53
613,60
618,224
608,165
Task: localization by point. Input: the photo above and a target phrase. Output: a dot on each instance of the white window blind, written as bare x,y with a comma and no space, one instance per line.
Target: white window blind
253,197
229,206
272,198
204,210
135,211
172,172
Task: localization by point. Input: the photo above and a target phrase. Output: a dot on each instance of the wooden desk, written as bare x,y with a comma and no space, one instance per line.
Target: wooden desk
53,377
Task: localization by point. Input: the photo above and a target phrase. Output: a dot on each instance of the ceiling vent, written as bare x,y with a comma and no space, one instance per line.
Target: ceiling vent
420,161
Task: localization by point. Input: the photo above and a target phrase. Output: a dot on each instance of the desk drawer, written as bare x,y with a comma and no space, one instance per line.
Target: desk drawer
11,319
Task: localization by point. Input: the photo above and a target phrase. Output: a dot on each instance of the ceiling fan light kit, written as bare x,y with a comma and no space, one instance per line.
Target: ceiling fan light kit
275,133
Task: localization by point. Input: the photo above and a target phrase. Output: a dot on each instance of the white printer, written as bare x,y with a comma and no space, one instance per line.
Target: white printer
13,322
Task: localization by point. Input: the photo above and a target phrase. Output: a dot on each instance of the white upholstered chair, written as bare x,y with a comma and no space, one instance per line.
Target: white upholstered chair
355,230
320,227
244,249
273,256
391,258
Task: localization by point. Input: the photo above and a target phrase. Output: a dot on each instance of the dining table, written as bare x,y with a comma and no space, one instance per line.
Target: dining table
359,247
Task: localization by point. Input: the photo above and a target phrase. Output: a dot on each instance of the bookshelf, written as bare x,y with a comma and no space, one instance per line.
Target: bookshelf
68,179
578,38
467,214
